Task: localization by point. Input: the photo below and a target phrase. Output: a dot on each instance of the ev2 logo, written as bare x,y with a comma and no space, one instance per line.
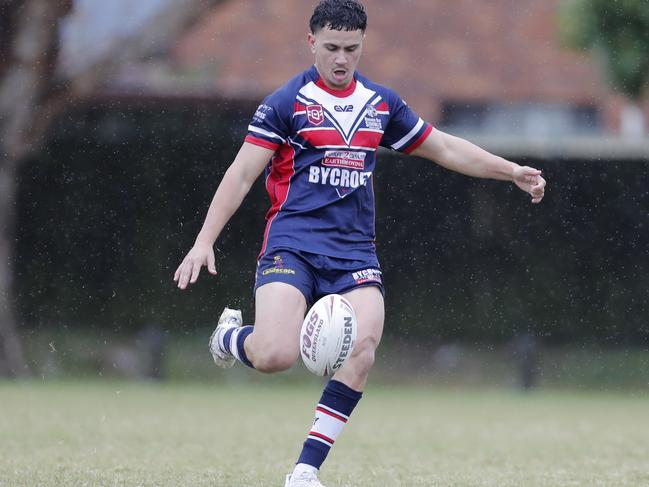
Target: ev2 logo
346,108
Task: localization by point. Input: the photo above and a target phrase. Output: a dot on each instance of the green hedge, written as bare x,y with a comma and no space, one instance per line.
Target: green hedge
108,210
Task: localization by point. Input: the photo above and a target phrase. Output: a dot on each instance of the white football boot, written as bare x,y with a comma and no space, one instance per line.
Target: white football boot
230,318
302,478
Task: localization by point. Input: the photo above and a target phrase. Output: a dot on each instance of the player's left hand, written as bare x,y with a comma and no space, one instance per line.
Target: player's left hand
530,180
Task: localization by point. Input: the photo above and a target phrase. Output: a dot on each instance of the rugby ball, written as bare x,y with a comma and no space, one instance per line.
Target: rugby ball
328,335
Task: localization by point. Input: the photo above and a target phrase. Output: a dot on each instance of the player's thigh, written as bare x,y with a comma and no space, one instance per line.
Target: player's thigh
279,312
369,308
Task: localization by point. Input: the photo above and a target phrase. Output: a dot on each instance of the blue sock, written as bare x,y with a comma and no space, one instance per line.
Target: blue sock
233,343
332,413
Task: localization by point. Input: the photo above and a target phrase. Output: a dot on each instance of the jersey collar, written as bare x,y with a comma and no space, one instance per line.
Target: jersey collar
344,93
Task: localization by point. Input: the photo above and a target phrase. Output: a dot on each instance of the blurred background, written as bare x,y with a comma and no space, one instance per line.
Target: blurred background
118,119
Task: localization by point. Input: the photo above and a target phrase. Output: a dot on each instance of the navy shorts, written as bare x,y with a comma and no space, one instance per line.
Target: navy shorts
317,275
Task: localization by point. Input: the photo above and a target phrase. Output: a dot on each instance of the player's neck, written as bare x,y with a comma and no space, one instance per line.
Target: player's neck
339,92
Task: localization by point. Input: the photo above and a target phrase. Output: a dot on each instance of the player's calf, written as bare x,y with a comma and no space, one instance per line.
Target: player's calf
358,366
271,356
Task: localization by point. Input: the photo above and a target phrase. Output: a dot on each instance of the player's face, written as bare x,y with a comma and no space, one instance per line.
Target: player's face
337,53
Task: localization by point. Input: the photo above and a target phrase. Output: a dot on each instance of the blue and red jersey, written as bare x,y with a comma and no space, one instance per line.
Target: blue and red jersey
320,179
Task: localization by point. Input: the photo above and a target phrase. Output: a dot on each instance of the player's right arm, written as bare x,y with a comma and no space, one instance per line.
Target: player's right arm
235,185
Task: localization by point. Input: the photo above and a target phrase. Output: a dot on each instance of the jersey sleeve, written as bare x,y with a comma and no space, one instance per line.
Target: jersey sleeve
270,125
405,130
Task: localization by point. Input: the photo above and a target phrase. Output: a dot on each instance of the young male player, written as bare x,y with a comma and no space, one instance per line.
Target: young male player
316,139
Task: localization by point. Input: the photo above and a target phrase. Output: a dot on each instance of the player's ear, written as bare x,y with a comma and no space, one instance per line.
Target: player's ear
310,39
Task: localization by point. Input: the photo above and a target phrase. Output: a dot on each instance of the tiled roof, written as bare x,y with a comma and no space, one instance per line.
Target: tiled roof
427,50
467,48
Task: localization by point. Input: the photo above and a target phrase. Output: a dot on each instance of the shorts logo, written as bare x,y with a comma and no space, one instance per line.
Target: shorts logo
315,114
278,267
341,158
367,275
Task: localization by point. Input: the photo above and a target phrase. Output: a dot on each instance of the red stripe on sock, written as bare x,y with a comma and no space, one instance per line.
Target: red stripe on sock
333,415
321,436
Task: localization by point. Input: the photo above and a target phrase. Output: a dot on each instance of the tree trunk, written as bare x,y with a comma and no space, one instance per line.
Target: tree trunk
29,32
33,92
12,361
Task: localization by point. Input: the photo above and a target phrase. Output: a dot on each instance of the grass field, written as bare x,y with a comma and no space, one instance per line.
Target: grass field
117,434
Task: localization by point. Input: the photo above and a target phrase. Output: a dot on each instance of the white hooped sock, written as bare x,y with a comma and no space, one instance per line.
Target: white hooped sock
232,342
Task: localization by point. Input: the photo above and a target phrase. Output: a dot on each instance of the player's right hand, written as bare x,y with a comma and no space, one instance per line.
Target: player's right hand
200,255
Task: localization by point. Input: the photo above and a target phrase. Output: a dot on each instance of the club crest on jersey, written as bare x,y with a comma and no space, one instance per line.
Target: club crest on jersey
372,120
315,114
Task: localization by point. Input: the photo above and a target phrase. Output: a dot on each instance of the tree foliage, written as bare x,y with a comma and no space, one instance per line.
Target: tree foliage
617,32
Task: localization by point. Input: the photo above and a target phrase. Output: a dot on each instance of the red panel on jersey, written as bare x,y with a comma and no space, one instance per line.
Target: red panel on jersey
323,137
382,107
278,184
365,138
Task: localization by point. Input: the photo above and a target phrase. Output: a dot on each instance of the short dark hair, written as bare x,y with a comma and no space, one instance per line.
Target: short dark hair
339,15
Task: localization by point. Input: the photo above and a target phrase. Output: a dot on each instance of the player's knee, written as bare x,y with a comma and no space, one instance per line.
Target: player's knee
271,360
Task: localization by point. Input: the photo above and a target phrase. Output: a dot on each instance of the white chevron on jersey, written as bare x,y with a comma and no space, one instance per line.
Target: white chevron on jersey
347,122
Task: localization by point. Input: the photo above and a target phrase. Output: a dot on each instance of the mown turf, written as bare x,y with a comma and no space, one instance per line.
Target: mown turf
118,434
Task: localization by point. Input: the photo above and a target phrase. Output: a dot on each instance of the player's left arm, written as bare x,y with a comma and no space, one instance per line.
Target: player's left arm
462,156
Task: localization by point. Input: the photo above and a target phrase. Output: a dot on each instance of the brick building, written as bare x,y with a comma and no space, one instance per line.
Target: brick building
494,68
